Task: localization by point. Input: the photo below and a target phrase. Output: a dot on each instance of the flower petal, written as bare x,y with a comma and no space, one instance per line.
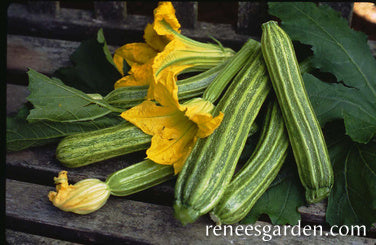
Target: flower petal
139,53
139,75
119,63
151,118
198,110
206,123
164,88
174,56
173,145
155,41
165,12
84,197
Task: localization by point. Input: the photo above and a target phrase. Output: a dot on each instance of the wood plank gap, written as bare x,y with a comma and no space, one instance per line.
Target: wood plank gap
125,221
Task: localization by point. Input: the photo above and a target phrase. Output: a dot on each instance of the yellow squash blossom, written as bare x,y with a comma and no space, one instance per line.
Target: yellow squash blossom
165,46
84,197
175,127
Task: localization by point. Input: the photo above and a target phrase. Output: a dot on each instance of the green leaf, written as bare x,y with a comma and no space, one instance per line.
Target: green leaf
93,70
333,100
54,101
343,52
21,135
352,200
281,201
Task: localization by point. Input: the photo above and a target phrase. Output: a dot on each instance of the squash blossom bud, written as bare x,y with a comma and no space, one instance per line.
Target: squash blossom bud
84,197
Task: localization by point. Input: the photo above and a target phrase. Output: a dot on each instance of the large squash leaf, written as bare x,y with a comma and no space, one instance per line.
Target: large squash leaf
352,200
343,52
21,135
54,101
334,100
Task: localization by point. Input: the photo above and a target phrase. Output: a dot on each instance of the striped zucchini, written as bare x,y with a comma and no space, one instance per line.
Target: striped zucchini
188,88
89,147
307,141
253,179
138,177
211,164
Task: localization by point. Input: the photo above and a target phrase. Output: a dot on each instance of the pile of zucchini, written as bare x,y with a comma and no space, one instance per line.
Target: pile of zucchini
207,182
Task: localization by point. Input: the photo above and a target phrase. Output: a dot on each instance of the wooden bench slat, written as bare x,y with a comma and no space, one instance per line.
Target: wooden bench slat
250,17
41,54
126,221
21,238
16,97
111,11
187,13
78,25
51,8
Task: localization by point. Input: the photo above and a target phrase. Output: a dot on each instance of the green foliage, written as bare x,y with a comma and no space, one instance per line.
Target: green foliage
21,135
54,101
281,201
93,70
343,52
353,198
334,100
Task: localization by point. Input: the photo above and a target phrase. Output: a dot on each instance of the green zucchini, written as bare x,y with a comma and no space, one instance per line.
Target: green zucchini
89,147
306,138
254,178
138,177
211,164
188,88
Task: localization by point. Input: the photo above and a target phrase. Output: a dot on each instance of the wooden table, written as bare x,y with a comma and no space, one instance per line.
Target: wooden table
42,36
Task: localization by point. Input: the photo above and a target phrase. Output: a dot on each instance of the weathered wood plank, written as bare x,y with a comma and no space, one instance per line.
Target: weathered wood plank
186,12
44,7
78,25
111,11
313,213
125,221
21,238
250,17
16,97
41,54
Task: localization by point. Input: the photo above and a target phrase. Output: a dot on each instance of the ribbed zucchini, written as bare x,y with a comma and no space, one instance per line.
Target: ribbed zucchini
254,178
304,131
211,164
138,177
188,88
85,148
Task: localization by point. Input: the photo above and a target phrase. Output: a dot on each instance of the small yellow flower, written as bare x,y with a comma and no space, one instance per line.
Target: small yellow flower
84,197
175,127
164,47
